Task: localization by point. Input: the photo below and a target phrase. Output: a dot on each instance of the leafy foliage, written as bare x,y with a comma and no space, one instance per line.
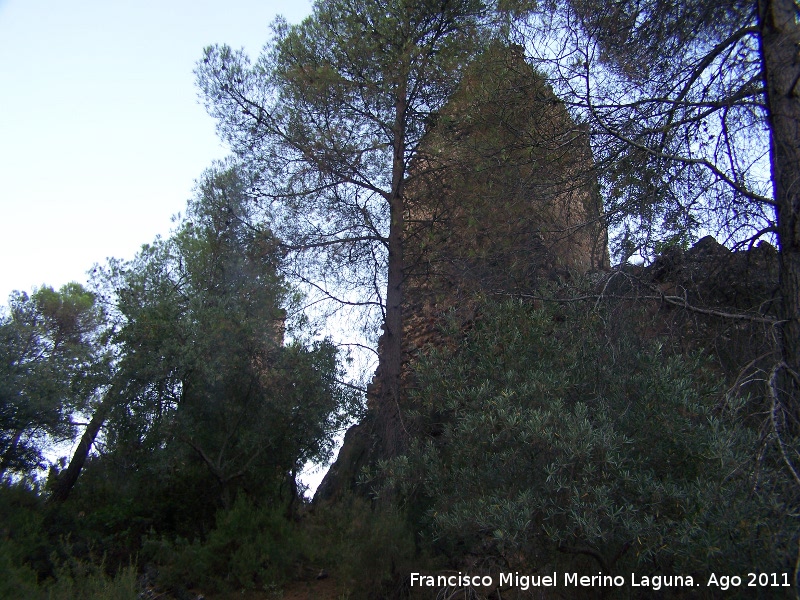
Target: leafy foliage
370,546
53,360
328,121
554,433
546,436
202,402
249,547
37,563
207,385
673,96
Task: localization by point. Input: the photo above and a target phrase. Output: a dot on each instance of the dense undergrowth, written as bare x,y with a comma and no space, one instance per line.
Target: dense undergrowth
564,438
557,438
52,554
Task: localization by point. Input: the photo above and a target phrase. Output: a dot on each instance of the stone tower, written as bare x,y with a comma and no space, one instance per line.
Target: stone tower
501,195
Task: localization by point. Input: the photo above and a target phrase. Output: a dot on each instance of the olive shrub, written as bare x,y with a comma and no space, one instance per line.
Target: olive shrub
552,437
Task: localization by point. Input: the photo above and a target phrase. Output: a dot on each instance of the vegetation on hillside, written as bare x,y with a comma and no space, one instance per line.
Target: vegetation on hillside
565,430
560,437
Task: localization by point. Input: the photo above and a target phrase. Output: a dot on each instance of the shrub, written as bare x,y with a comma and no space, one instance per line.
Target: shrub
24,547
250,547
37,563
79,580
368,546
548,436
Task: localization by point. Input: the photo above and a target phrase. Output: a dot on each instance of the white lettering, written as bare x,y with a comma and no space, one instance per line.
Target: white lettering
422,580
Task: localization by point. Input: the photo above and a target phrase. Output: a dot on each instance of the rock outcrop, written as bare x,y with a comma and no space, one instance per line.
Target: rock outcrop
708,298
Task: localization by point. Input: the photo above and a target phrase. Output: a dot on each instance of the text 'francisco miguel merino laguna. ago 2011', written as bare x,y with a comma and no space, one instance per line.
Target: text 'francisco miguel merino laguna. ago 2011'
654,582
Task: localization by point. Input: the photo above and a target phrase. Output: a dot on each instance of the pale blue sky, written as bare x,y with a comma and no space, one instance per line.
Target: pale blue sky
101,132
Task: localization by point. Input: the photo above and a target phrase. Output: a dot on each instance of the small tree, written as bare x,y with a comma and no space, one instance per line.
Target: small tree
206,390
53,362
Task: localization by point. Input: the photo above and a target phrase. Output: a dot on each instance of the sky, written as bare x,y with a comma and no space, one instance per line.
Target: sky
102,134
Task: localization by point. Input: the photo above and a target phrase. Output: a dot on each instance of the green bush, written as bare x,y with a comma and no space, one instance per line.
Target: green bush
250,547
24,547
38,563
364,547
73,579
79,580
550,437
369,547
17,580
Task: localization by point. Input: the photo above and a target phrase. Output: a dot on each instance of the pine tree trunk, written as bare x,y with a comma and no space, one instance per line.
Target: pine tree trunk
392,347
67,479
780,50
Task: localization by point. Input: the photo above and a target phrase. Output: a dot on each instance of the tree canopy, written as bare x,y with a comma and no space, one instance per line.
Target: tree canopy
695,120
582,425
54,360
205,373
329,120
